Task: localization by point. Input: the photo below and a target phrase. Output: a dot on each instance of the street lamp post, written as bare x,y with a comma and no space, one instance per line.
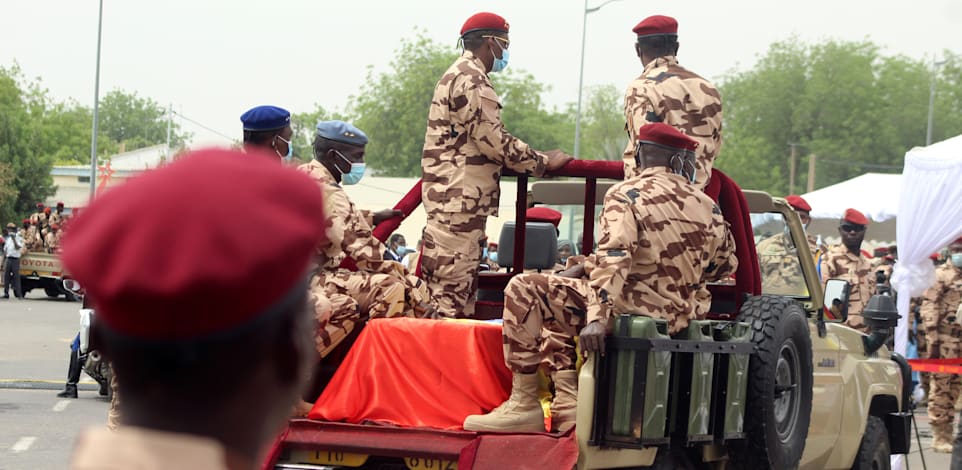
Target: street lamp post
935,74
581,73
93,135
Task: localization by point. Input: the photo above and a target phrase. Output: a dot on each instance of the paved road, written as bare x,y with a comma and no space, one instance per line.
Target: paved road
37,429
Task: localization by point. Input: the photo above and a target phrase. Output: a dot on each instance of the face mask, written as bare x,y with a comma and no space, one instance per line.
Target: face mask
401,249
484,253
290,150
957,260
356,173
493,256
502,63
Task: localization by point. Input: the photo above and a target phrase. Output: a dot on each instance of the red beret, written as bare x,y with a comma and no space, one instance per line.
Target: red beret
484,21
657,24
663,134
544,214
855,217
25,221
227,239
60,204
934,257
39,205
798,203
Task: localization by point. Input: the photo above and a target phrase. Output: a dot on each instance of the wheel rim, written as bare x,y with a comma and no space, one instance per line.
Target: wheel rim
787,383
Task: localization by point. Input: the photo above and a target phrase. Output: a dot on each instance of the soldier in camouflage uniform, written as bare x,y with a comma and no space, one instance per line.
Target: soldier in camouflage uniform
57,217
778,258
31,237
379,288
39,217
845,261
944,336
52,240
465,148
662,240
669,93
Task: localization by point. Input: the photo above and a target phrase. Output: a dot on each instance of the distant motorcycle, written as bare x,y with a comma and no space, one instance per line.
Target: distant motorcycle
84,356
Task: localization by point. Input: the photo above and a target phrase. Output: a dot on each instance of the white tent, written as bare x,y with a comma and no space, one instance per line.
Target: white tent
930,208
874,194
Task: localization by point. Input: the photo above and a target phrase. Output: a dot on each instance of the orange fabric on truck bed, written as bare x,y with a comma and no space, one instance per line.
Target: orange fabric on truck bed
418,372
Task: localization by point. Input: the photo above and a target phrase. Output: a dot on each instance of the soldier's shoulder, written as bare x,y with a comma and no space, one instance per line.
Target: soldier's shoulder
627,191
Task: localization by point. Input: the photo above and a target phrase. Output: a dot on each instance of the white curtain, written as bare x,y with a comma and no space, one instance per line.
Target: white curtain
929,218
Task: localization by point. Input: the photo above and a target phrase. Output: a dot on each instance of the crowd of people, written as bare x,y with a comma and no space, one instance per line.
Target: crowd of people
173,334
42,232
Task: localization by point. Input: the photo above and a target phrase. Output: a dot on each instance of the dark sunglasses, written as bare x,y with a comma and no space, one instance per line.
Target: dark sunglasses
852,228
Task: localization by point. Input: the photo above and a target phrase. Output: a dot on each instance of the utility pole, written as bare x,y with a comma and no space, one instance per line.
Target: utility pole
93,136
791,171
811,173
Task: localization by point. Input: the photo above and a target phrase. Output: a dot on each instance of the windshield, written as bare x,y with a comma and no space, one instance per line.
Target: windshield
777,256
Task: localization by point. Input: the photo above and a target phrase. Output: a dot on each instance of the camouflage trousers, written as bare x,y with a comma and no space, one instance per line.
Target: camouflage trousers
344,299
542,315
450,257
945,388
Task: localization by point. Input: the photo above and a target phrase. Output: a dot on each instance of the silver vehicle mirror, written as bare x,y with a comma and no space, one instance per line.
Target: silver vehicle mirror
836,300
71,285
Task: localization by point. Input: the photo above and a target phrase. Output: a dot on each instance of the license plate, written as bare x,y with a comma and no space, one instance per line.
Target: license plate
328,457
418,463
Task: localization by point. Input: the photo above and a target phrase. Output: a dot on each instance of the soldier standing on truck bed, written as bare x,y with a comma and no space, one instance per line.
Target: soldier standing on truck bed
465,148
662,239
669,93
209,355
944,337
379,288
846,261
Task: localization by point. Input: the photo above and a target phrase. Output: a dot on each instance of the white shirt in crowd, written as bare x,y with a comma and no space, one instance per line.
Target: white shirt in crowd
9,249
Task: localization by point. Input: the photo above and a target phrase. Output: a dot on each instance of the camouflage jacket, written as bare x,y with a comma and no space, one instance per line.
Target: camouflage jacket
839,263
941,301
52,241
349,234
56,218
780,266
466,144
667,92
662,240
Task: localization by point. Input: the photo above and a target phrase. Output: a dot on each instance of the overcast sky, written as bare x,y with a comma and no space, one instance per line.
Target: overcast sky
213,59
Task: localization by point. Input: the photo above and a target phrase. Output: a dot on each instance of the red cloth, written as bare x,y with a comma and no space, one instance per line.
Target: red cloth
734,207
499,451
407,204
417,372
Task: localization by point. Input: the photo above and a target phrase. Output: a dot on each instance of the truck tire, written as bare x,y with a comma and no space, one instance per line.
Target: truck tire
874,453
779,399
51,292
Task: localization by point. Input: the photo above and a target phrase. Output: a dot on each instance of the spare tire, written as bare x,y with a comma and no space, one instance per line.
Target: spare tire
779,399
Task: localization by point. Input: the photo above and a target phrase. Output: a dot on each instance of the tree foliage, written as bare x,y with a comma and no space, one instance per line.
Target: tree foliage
304,126
855,108
136,122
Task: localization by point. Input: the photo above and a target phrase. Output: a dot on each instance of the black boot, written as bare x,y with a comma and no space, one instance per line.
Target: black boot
73,376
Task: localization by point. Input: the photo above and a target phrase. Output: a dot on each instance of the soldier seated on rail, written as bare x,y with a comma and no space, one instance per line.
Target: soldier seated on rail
662,240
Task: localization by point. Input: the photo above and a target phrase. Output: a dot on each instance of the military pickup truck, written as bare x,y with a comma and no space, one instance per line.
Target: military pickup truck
770,380
43,271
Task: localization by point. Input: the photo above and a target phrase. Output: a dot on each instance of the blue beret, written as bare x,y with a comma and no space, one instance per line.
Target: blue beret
265,118
340,131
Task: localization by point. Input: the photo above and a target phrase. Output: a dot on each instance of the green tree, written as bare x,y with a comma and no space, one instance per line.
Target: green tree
525,115
855,108
603,135
392,107
24,170
136,122
304,126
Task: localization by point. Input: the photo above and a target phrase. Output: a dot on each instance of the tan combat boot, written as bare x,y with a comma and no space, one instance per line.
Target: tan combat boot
522,411
942,438
565,405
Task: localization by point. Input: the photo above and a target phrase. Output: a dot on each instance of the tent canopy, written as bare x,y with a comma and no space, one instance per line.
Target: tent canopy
874,194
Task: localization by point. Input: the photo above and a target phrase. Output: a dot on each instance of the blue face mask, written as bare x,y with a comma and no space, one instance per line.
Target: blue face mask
957,260
290,150
484,253
356,173
502,63
493,256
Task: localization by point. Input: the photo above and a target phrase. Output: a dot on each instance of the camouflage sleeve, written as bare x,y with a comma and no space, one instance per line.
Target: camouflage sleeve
358,242
368,216
609,266
826,269
929,307
494,141
637,109
724,262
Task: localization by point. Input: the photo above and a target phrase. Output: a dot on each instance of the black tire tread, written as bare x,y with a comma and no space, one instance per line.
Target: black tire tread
764,313
875,440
